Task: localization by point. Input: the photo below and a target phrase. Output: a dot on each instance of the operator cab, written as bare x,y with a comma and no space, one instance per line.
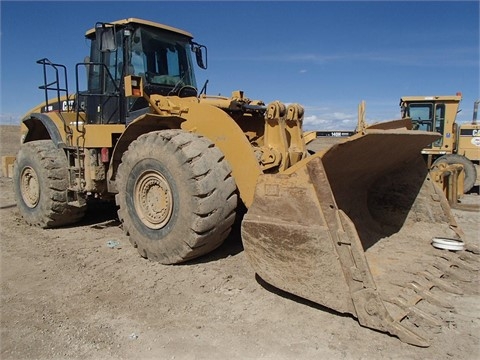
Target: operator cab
427,116
433,113
160,54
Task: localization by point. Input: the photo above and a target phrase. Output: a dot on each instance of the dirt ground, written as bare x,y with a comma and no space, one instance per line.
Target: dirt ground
83,292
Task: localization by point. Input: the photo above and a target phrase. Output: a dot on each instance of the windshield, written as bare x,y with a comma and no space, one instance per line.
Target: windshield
429,117
421,115
161,58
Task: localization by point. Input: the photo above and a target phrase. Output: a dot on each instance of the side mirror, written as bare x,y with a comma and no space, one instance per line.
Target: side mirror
105,36
200,56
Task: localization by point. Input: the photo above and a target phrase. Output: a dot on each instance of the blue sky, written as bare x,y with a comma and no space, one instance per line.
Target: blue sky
327,56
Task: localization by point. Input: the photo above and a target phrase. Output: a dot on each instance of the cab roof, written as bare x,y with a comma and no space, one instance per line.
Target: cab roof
127,21
430,98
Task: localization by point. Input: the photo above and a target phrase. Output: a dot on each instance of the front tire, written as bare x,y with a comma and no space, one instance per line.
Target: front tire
176,196
468,167
40,182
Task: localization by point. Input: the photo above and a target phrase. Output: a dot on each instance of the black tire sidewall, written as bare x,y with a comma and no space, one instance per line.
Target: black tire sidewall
30,155
203,194
469,168
168,241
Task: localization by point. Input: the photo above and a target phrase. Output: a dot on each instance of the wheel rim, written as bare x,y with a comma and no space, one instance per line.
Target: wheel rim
153,200
29,187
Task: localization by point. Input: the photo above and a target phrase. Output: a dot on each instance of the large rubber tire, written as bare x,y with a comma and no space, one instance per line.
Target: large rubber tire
176,196
40,184
468,166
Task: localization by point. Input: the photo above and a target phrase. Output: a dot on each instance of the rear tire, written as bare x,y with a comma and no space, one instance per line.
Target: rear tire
468,166
176,196
40,182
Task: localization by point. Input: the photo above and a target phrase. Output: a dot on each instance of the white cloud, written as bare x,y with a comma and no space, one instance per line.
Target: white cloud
335,120
10,119
342,117
429,56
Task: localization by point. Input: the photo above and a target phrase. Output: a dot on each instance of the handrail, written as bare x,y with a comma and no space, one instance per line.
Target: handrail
54,85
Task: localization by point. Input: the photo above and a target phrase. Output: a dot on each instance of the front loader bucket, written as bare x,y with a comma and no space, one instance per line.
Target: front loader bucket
350,228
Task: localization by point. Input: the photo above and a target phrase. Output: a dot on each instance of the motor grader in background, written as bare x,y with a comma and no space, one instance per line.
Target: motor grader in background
458,145
337,227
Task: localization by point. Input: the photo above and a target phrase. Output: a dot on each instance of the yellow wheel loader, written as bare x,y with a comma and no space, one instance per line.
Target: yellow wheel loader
349,227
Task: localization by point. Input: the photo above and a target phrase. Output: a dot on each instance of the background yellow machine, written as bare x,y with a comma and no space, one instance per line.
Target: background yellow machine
459,144
178,163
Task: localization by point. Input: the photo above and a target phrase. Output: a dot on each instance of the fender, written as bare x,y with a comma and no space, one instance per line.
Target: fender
143,124
42,127
224,132
205,120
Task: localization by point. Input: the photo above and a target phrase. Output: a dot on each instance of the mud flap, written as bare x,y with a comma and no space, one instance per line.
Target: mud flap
308,230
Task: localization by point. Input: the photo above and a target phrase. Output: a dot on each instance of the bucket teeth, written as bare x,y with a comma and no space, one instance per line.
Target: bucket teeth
415,312
441,283
434,278
428,295
407,335
457,260
475,249
470,258
420,303
452,272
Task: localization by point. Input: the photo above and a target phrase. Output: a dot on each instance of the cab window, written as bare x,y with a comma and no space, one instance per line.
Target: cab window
422,116
439,122
161,58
